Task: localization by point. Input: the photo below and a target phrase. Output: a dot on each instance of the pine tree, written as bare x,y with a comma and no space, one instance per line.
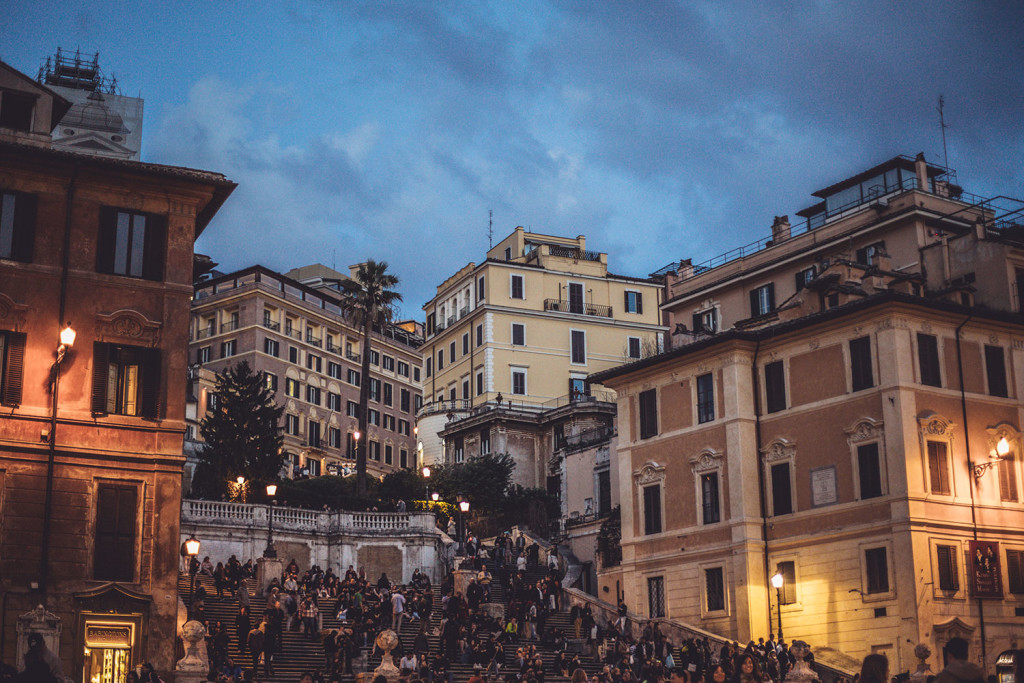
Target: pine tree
242,433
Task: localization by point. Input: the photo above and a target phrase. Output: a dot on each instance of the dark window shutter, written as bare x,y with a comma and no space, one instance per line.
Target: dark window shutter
771,296
937,467
625,301
995,366
154,248
696,323
15,378
1015,570
116,509
151,404
753,303
869,471
782,497
24,227
106,239
639,302
100,361
948,579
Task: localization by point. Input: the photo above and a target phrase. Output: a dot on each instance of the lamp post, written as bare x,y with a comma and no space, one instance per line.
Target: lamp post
426,480
777,582
67,340
463,509
192,550
270,550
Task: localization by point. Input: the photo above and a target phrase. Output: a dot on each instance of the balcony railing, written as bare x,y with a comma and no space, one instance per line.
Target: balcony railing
315,341
562,306
354,357
292,332
229,326
204,332
331,348
574,253
271,325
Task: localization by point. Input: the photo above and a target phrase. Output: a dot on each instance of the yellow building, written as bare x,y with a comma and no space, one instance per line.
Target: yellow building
526,327
841,407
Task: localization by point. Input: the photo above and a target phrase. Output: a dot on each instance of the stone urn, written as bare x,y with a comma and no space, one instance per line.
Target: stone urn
801,671
923,671
192,632
387,641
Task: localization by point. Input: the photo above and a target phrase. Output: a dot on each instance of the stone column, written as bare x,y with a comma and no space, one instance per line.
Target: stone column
462,579
267,569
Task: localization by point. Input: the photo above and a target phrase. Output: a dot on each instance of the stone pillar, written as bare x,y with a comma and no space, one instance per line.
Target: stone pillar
46,624
193,667
267,569
801,671
462,579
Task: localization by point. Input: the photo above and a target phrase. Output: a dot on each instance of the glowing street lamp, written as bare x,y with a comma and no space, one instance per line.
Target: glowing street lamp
192,550
270,550
777,582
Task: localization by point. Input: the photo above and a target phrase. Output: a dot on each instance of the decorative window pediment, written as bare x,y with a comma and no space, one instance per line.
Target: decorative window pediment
129,326
706,461
1003,430
936,426
864,429
650,473
12,314
779,449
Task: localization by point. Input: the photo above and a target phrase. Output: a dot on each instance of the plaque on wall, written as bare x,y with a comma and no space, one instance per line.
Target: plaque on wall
986,579
823,486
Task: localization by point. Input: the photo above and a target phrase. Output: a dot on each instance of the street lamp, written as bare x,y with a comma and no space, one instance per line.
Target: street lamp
435,496
192,550
463,509
426,480
270,550
777,582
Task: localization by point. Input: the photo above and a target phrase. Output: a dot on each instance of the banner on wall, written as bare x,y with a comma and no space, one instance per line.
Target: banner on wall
986,577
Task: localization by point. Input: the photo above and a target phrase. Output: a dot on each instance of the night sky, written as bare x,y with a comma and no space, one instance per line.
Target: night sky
660,130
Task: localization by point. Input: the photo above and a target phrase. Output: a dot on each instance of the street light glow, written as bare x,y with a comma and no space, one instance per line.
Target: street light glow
192,545
435,496
777,580
426,472
464,505
67,336
240,480
1003,447
271,490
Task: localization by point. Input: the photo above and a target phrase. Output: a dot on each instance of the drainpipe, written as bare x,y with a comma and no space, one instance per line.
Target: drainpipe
970,471
44,557
760,474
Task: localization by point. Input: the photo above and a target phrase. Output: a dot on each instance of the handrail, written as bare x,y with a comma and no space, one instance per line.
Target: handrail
563,306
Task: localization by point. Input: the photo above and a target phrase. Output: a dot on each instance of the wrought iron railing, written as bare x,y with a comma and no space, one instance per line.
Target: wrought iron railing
577,308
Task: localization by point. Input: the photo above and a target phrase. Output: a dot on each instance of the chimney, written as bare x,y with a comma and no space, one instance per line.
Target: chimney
921,169
685,268
780,229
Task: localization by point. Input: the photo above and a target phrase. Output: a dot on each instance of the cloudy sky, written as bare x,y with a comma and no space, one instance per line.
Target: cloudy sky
660,130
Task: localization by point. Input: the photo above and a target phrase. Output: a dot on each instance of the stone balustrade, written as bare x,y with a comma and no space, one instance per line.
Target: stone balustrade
251,516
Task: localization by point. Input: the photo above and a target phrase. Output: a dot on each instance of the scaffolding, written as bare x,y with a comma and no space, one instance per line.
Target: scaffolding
78,72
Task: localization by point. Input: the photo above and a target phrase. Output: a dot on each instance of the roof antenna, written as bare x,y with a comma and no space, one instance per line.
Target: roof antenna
943,127
490,229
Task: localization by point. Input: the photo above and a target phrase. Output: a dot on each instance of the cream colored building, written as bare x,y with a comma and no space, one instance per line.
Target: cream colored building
527,326
842,406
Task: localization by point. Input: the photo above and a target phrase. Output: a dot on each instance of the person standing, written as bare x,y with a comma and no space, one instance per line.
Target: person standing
397,609
958,669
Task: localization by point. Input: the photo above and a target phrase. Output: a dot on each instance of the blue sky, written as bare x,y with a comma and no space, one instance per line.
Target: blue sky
660,130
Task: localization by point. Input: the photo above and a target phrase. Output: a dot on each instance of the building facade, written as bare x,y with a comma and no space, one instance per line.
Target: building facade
293,328
521,332
91,432
841,406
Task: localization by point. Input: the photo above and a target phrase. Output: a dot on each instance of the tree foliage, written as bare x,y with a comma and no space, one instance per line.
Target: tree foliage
484,480
370,297
242,434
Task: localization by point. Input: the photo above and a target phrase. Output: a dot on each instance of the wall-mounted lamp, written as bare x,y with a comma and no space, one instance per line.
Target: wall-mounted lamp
1002,449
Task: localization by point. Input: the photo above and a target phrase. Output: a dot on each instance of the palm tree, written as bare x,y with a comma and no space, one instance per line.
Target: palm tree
369,302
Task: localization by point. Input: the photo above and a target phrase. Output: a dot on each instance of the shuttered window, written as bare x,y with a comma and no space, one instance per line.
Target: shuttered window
869,470
652,509
788,591
131,244
877,566
782,495
17,225
114,548
1008,478
648,413
125,380
928,359
860,363
775,387
938,467
1015,570
995,367
12,367
949,580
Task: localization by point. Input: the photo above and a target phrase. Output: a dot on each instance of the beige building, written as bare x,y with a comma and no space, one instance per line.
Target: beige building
525,328
840,406
292,327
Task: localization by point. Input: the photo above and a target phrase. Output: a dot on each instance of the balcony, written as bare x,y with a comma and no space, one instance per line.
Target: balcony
331,348
271,325
315,341
292,332
205,332
574,253
354,357
575,308
229,326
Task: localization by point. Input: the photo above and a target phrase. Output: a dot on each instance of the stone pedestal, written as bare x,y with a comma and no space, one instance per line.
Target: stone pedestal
193,667
45,624
801,671
462,578
267,569
495,610
923,671
386,642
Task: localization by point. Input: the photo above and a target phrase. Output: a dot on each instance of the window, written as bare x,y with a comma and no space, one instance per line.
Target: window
634,302
350,445
389,391
876,564
485,441
429,367
518,334
481,291
604,492
710,508
788,592
16,110
465,388
633,347
131,244
373,417
949,579
374,357
578,347
451,352
459,449
782,494
375,389
705,322
928,359
403,427
519,382
995,368
333,369
431,323
404,400
869,471
508,253
17,225
860,363
762,300
869,255
714,589
203,355
775,387
313,434
440,360
416,372
1015,570
389,457
114,548
479,335
403,458
451,393
389,422
655,596
705,398
465,344
652,509
648,401
291,424
353,377
1008,478
334,437
227,348
938,467
387,363
212,401
418,402
271,381
313,395
804,277
352,409
403,368
333,401
314,362
291,387
516,287
271,347
125,380
479,383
